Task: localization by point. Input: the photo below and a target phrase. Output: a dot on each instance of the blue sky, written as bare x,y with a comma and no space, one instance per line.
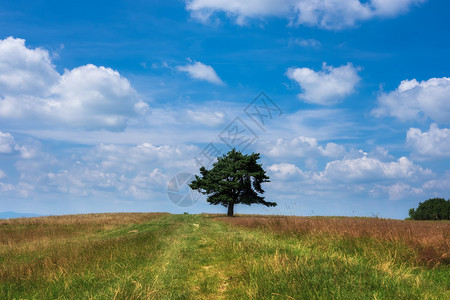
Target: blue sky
102,103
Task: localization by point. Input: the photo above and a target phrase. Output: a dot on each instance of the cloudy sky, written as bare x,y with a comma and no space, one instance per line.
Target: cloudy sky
102,103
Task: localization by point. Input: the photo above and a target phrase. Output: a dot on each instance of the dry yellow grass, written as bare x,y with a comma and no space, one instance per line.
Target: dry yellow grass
430,238
53,243
27,230
142,256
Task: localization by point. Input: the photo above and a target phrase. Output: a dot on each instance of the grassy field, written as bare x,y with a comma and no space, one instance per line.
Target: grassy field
163,256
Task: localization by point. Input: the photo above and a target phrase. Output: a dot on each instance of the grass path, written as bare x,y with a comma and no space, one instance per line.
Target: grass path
198,257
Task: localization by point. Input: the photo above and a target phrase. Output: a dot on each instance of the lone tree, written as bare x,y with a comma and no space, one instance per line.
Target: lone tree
235,178
432,209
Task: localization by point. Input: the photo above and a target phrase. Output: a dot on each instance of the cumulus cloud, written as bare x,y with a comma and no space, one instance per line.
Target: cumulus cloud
434,143
366,168
402,190
393,7
87,180
332,14
302,147
127,170
438,187
285,171
355,166
27,151
413,99
431,188
364,175
6,142
134,171
141,157
201,71
87,97
208,118
95,97
240,10
329,14
326,87
379,153
25,71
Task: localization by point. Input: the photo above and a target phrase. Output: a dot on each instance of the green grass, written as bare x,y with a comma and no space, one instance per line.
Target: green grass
201,257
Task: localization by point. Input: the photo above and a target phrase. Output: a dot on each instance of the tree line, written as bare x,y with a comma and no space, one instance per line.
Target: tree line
432,209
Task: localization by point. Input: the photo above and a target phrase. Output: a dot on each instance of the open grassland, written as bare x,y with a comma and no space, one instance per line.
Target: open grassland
162,256
430,239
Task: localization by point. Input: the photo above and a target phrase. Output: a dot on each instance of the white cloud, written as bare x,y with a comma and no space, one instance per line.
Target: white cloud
332,150
2,174
308,43
208,118
201,71
87,97
285,171
402,190
25,71
130,170
393,7
365,168
434,143
301,147
6,187
238,9
413,99
141,108
84,181
6,142
8,145
355,177
380,153
139,158
326,87
27,151
329,14
122,170
438,187
321,123
94,97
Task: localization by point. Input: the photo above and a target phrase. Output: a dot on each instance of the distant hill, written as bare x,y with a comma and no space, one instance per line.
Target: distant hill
13,214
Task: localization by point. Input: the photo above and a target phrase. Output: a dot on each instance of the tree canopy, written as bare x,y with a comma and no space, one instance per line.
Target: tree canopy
432,209
234,179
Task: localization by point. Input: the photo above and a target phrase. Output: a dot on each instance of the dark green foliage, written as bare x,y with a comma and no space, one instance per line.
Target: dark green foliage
432,209
235,178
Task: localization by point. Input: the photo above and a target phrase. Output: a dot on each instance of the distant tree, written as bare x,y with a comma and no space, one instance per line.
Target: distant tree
432,209
234,179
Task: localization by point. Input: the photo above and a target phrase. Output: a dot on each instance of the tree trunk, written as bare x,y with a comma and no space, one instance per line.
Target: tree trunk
230,209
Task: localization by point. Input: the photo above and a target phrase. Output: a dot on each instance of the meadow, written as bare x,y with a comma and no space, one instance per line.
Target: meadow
164,256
